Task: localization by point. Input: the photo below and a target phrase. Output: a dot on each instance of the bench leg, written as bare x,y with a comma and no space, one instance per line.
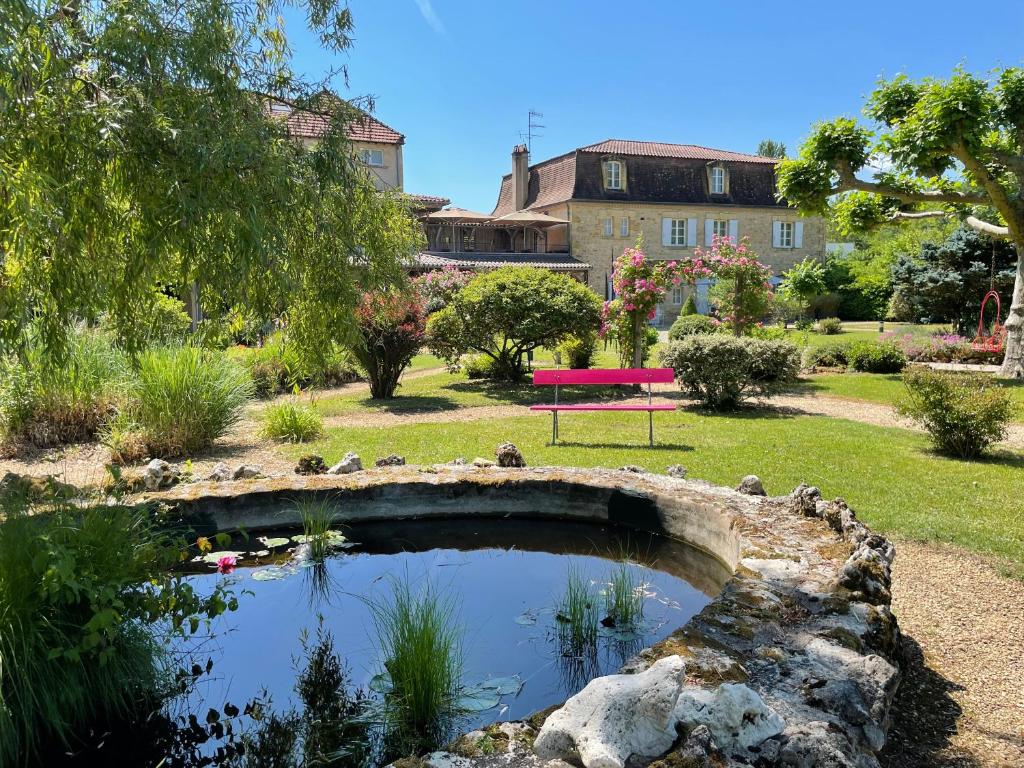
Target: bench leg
554,427
650,427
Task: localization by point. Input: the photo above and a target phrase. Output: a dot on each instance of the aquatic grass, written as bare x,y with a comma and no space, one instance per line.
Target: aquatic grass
623,598
317,517
421,649
577,616
292,421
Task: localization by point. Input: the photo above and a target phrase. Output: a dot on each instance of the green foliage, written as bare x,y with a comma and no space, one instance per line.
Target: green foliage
184,398
578,350
962,413
721,371
876,357
317,517
805,280
577,616
292,421
945,282
509,311
829,326
280,365
833,354
49,405
771,148
688,325
689,306
141,131
420,646
86,601
477,367
391,327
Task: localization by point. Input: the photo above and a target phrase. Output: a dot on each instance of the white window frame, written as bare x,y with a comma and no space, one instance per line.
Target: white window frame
677,235
369,155
787,233
720,227
608,226
624,226
677,295
717,180
613,175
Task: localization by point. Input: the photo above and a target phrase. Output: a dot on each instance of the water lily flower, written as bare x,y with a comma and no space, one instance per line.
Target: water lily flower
226,564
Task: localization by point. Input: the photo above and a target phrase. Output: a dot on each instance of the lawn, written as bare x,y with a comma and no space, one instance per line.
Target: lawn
890,476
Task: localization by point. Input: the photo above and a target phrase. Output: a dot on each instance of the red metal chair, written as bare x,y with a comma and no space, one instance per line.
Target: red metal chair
995,341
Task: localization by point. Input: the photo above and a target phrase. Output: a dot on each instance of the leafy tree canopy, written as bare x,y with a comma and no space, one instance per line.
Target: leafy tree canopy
138,151
509,311
771,148
954,147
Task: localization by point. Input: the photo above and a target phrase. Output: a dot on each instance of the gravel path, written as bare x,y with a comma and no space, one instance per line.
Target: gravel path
962,701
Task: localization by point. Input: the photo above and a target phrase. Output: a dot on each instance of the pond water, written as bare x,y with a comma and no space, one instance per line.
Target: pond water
506,578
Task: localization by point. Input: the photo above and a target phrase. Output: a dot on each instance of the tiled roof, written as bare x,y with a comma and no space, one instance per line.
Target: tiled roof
659,149
551,182
559,262
309,125
427,202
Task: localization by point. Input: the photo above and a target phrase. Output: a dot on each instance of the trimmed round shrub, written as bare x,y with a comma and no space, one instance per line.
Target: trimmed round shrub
962,413
721,371
577,351
292,421
477,366
829,326
876,357
184,398
832,354
690,325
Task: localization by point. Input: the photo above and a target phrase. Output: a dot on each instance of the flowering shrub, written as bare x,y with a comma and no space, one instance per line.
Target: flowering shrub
940,348
437,287
741,292
391,330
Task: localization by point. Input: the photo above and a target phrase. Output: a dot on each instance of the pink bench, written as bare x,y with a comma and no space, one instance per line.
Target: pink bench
605,376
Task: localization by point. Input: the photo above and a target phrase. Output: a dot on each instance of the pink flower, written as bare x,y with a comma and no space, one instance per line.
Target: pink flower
226,564
651,314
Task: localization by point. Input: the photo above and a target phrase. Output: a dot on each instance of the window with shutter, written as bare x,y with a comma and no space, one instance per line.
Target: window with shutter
785,234
624,226
798,235
721,228
677,235
734,230
606,226
691,232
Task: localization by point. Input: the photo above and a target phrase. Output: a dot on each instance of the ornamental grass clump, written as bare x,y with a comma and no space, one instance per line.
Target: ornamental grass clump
963,414
421,652
184,398
577,616
292,421
623,598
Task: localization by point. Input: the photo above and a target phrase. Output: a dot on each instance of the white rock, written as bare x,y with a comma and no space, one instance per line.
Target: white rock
479,461
247,472
446,760
220,472
736,715
158,473
349,463
616,717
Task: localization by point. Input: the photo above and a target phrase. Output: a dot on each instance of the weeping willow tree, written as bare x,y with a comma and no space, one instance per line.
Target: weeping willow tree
955,148
138,150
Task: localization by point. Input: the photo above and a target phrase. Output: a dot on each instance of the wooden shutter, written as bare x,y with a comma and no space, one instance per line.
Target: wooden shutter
691,232
666,231
776,234
734,230
798,235
709,231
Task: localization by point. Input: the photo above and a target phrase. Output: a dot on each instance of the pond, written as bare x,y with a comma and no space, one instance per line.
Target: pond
506,582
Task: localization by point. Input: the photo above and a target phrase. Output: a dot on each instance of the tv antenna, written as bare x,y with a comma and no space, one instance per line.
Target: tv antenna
531,129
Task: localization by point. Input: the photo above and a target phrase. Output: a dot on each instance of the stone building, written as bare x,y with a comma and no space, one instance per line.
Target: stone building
678,196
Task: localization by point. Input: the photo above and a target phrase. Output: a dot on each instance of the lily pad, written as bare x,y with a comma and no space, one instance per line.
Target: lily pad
527,619
334,538
213,557
477,700
271,573
272,542
503,686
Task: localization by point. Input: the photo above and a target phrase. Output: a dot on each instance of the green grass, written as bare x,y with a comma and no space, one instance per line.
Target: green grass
890,476
880,388
577,615
624,597
317,517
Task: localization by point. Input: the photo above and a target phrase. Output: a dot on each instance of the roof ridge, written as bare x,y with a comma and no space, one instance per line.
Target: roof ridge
377,119
674,144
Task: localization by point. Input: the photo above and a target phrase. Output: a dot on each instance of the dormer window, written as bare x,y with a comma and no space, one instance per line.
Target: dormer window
717,180
280,109
613,175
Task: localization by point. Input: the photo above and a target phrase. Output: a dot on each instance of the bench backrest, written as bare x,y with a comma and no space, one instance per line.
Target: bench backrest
563,376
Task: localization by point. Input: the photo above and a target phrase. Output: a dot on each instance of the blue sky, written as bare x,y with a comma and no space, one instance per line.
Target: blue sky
458,77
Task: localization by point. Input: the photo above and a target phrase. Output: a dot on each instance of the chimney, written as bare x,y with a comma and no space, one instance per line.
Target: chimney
520,176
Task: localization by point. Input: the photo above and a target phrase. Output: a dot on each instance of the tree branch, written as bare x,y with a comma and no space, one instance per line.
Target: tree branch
919,215
998,197
849,182
985,227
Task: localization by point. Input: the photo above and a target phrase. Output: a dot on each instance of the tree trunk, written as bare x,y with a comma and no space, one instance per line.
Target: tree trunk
1013,361
638,340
